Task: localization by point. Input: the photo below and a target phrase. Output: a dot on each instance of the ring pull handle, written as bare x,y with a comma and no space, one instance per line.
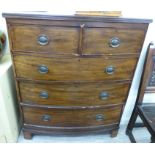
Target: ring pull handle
43,40
100,117
104,95
46,118
110,69
43,69
43,95
115,42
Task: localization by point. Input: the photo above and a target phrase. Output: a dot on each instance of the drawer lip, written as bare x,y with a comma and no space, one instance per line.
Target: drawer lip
33,105
72,81
71,107
49,54
125,54
70,132
68,128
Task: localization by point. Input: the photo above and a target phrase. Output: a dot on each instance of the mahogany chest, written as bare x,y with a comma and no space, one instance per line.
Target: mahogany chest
73,73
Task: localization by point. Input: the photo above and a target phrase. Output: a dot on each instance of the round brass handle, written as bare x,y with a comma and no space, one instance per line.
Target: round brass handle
43,40
46,118
43,69
110,69
100,117
104,95
114,42
43,94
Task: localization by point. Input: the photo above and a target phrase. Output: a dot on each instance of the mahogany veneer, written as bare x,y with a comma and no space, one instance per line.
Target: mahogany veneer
73,73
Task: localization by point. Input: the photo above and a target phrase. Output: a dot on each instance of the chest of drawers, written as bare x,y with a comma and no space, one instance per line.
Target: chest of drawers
73,73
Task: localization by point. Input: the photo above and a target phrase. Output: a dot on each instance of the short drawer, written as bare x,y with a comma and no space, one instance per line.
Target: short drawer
73,94
70,69
44,39
71,117
112,40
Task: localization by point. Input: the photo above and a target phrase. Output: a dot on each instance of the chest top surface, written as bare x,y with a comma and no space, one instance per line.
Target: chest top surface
47,16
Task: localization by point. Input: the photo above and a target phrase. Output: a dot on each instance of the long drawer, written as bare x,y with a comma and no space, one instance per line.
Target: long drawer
67,39
73,94
71,117
66,69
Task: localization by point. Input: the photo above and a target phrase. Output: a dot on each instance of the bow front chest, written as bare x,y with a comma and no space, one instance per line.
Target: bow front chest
73,73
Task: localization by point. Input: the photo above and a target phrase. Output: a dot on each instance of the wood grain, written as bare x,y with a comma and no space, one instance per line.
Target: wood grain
97,40
75,58
73,94
61,39
66,69
31,16
65,40
71,117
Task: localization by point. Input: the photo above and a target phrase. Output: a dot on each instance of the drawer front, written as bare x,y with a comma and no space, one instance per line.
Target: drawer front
67,40
44,39
66,69
112,40
71,117
73,94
